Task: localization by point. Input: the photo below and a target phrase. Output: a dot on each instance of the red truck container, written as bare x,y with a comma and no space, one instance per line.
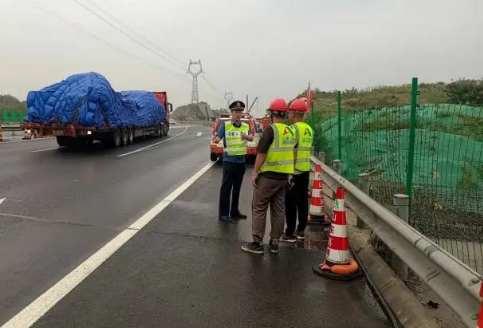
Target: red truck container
76,135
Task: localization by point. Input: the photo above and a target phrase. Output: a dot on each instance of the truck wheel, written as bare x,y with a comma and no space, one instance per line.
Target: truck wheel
130,136
124,137
158,131
116,139
62,141
213,157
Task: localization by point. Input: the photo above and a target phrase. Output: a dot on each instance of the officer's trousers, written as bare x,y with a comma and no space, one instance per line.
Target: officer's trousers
297,203
230,188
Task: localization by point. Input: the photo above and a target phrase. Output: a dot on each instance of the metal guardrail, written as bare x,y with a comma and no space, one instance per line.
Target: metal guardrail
11,126
457,284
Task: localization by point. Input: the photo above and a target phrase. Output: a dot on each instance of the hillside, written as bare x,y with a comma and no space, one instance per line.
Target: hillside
8,104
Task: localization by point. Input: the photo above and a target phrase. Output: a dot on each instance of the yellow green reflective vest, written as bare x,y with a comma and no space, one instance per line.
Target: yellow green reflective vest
304,136
234,145
280,155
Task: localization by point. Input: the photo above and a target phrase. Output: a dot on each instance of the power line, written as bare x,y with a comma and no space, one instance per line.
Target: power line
137,35
119,30
155,51
80,28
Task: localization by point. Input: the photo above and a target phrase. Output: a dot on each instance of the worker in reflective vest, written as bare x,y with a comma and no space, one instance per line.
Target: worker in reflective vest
235,135
296,199
272,172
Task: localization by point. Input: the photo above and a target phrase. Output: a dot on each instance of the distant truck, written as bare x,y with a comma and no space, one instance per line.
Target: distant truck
71,134
84,108
216,149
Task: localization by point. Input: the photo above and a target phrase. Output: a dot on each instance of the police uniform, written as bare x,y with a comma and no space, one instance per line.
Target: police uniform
234,166
296,200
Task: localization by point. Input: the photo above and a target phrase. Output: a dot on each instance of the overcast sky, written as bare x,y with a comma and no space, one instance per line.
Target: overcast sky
264,48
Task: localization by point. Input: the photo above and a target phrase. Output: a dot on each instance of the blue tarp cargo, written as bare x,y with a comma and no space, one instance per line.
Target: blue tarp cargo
88,99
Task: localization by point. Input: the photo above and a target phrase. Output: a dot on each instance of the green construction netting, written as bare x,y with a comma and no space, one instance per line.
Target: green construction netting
448,155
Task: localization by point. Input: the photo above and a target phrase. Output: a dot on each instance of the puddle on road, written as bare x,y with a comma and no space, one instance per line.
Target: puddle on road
316,238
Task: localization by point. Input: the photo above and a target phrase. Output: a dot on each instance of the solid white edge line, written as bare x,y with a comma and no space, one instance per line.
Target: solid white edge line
153,145
13,141
46,149
38,308
2,200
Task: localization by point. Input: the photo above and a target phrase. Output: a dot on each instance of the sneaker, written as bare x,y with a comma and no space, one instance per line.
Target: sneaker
254,247
288,238
239,216
300,235
272,247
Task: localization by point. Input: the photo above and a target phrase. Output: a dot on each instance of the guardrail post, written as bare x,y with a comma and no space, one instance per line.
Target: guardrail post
401,203
337,166
320,156
364,186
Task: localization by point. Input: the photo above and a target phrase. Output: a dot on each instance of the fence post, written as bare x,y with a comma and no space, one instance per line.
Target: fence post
412,137
339,122
401,203
364,185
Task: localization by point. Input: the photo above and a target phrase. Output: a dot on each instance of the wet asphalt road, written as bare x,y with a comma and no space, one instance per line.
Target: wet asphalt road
61,206
184,269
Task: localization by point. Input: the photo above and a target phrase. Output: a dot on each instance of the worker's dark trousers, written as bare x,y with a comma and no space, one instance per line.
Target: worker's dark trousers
230,186
297,203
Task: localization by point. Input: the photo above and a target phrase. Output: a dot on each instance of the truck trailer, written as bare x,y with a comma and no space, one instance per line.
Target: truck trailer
84,108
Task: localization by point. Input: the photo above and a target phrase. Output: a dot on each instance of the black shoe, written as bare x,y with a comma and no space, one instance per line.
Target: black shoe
272,247
300,235
225,219
254,247
288,238
239,216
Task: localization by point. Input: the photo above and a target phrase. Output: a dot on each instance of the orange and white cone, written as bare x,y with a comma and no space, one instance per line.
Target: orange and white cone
338,263
316,210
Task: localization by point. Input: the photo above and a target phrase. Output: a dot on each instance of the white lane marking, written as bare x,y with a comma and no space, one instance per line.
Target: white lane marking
38,139
179,126
199,134
46,149
2,200
35,310
155,144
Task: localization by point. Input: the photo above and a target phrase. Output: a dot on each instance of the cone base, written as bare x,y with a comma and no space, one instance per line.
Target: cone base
337,276
319,221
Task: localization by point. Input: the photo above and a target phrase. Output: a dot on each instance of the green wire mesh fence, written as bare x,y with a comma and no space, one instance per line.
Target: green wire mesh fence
447,173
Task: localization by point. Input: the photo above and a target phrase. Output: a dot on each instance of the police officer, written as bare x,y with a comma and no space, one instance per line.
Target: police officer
272,171
296,200
235,135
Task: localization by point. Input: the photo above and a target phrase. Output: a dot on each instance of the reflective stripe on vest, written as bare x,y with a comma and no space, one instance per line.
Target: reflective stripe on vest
305,138
280,155
234,145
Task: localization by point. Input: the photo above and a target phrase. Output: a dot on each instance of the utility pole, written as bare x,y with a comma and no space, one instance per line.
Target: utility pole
195,73
228,98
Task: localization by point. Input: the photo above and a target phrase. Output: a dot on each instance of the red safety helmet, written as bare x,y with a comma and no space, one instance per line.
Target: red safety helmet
278,105
299,105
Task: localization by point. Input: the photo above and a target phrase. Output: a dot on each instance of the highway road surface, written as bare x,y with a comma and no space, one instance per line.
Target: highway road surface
129,238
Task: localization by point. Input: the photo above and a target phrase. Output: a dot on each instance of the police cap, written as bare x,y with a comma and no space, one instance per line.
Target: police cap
237,105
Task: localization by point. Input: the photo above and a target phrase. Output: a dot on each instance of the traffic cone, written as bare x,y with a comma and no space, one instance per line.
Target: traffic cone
338,264
317,214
